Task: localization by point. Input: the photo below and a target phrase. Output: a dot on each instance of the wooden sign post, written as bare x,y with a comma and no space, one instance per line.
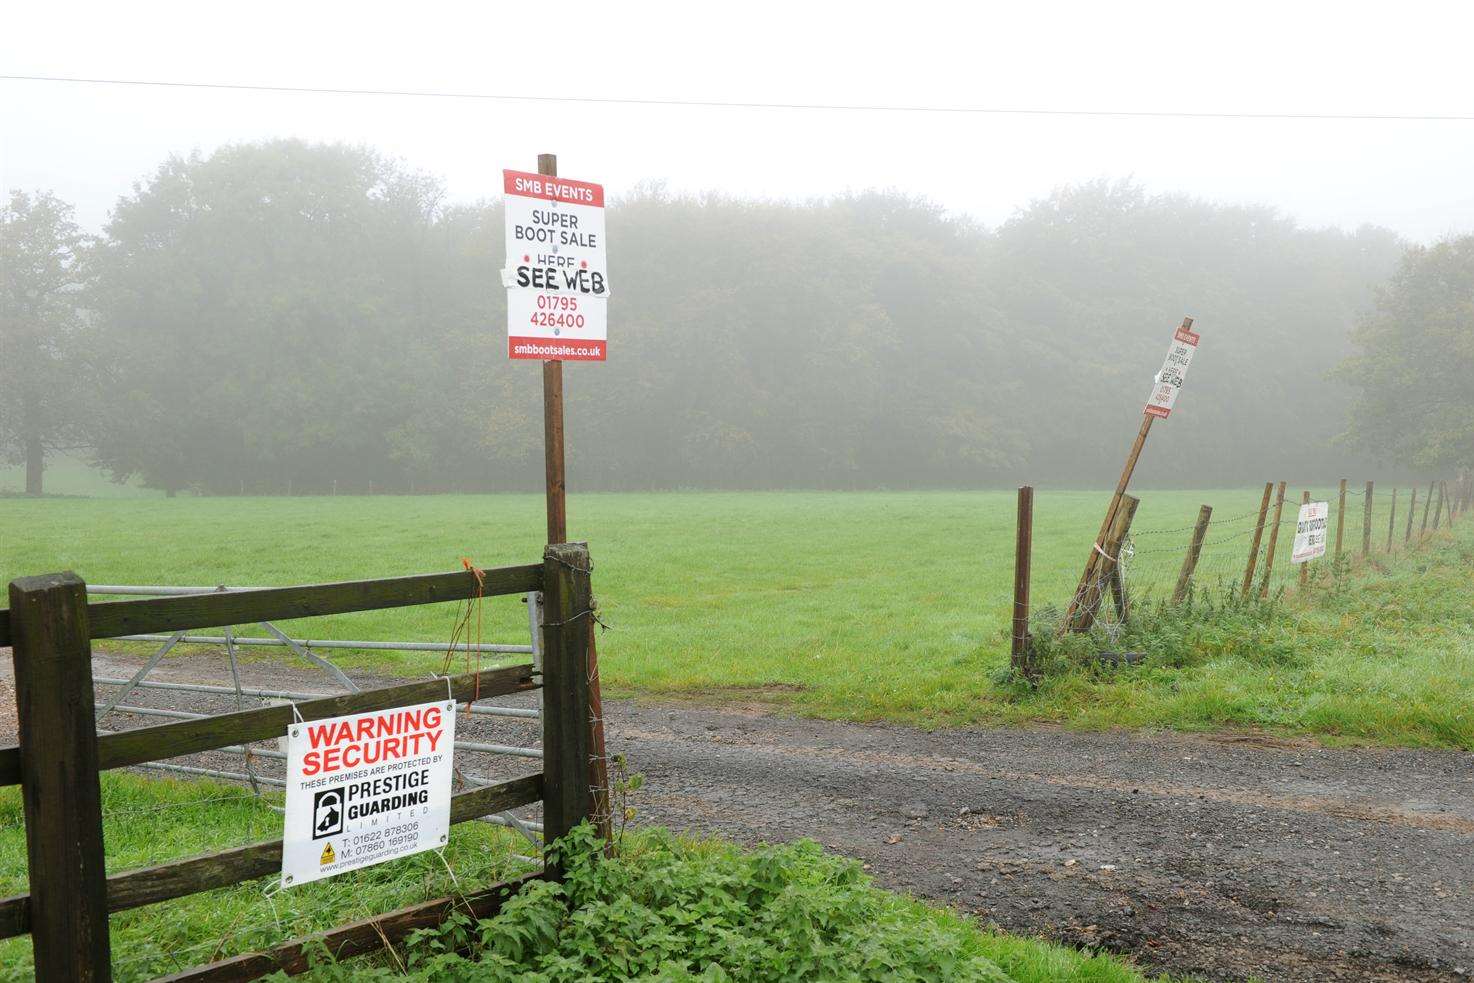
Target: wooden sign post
1081,613
557,510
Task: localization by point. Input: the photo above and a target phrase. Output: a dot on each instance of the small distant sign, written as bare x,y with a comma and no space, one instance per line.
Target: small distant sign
1310,532
557,277
366,788
1168,382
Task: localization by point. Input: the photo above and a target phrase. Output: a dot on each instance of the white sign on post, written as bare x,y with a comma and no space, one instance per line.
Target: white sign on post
556,276
1310,532
1168,382
366,788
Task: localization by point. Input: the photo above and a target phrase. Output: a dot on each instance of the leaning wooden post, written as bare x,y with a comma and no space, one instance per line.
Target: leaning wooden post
1340,518
1437,512
1305,567
1391,520
1254,543
1080,613
1023,554
567,606
1366,521
1274,536
60,790
1194,548
1110,569
1083,605
1411,509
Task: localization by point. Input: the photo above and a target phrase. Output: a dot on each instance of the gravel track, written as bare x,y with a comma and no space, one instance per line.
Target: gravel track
1225,856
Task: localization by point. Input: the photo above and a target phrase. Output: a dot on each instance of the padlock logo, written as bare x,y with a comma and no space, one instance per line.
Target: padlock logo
327,813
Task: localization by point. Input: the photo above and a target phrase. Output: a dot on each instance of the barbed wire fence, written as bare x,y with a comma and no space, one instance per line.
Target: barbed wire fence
1242,558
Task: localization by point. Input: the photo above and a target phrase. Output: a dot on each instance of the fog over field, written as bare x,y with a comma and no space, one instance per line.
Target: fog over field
663,453
938,263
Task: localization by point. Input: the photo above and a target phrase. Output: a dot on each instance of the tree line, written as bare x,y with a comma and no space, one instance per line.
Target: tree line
291,315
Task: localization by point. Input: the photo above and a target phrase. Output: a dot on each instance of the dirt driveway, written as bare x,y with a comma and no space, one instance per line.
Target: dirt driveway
1226,857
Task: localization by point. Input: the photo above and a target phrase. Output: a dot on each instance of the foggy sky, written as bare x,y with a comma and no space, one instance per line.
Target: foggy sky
90,143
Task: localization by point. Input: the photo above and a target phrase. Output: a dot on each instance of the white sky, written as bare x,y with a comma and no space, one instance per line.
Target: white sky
90,143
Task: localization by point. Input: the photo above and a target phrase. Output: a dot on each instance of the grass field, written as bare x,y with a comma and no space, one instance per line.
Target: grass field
858,605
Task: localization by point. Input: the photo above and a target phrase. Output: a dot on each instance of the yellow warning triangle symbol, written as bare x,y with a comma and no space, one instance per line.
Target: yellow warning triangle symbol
328,856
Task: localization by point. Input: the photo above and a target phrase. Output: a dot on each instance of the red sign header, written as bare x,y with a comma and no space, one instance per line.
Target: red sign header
550,188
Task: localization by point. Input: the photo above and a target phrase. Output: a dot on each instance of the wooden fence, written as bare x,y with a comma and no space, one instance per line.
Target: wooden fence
59,755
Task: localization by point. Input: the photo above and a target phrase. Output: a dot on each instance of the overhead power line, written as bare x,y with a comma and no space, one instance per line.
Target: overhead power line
719,104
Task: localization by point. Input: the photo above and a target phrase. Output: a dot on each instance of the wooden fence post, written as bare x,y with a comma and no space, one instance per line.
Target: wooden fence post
1340,518
1427,504
1110,569
1194,548
1411,509
60,790
1023,553
567,605
1274,535
1438,512
1366,521
1254,544
1305,567
1391,520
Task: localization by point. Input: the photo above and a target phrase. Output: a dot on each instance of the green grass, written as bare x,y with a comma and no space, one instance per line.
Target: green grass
153,820
756,911
857,605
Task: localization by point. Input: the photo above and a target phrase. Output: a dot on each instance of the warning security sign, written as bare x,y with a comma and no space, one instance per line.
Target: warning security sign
556,276
366,788
1168,382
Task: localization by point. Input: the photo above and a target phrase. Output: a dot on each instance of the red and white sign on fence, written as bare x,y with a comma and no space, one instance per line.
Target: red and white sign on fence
366,788
1168,382
1310,532
556,276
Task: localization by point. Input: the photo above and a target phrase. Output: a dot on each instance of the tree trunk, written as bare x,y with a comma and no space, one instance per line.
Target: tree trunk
35,465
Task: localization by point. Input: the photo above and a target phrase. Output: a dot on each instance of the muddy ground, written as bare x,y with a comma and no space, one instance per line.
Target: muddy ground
1222,856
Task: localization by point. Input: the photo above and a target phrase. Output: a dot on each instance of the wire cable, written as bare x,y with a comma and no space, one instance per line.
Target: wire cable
723,104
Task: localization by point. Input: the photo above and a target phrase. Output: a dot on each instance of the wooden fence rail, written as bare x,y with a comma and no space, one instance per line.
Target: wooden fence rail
59,756
237,607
